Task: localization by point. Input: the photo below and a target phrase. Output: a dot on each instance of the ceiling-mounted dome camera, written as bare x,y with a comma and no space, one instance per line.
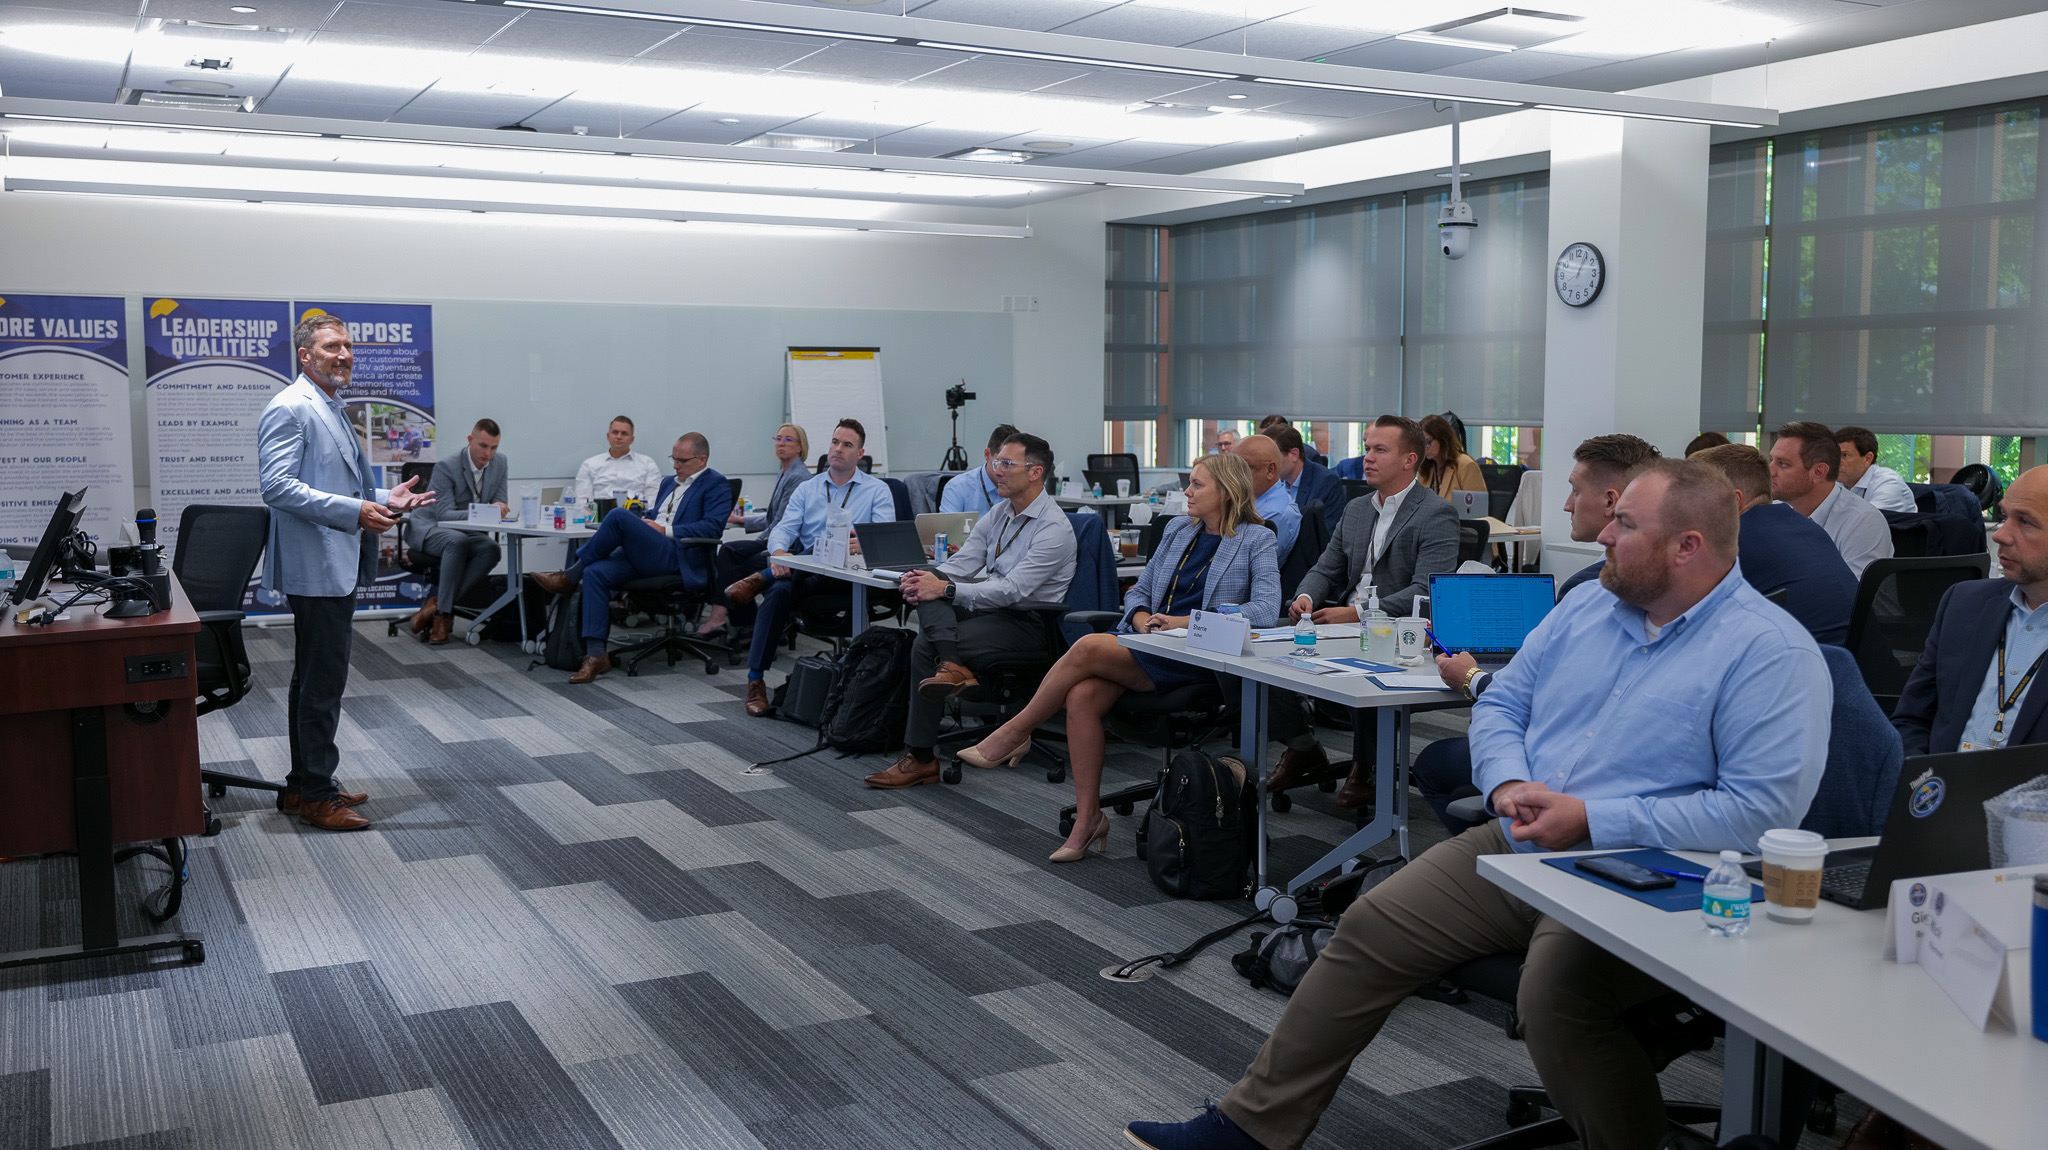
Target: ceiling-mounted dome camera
1454,228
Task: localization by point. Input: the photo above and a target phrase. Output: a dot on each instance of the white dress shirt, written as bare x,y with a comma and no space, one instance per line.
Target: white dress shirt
1884,489
601,475
1858,529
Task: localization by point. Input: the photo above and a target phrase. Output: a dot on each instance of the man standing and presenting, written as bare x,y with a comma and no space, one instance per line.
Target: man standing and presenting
1880,486
618,467
1273,503
842,491
326,513
1804,463
475,476
977,490
692,505
1307,482
1021,551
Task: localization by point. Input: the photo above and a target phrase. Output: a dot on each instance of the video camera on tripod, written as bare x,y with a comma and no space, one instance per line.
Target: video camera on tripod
956,398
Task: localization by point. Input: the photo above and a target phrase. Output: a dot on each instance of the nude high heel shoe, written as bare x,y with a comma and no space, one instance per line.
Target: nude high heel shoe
1099,840
974,758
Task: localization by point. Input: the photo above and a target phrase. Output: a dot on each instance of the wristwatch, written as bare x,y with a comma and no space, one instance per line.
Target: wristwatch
1466,686
951,587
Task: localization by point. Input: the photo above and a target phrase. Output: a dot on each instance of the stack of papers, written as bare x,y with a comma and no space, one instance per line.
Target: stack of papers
1323,631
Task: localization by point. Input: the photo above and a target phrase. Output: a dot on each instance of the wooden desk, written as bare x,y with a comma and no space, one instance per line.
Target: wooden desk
99,744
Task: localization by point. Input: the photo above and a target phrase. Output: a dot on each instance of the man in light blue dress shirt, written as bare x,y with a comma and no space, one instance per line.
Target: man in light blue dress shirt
1672,706
976,490
1275,506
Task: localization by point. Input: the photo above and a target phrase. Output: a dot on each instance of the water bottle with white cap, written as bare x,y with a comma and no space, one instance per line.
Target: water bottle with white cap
1724,897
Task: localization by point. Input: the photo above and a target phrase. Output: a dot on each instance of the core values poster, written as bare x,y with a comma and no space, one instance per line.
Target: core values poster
210,367
390,401
64,413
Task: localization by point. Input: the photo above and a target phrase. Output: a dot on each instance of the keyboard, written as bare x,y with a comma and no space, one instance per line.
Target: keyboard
1847,880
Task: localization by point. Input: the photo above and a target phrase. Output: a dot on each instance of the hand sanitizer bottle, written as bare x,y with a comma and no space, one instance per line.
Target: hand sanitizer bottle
1411,638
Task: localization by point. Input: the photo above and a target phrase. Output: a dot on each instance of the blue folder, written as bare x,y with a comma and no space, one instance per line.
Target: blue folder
1683,894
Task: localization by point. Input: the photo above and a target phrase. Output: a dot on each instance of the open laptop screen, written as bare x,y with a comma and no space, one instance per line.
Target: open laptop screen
1488,615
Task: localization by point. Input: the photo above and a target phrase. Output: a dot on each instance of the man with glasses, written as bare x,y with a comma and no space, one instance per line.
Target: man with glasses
692,504
976,490
1021,551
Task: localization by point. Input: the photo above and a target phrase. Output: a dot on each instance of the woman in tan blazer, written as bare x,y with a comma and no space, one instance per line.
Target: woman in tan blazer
1445,466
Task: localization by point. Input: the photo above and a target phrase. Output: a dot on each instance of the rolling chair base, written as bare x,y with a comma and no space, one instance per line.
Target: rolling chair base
1533,1132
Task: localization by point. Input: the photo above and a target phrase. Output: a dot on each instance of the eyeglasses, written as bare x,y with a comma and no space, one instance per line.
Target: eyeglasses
785,439
1007,464
682,458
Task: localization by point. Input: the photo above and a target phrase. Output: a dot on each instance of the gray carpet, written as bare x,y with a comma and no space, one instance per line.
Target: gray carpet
576,922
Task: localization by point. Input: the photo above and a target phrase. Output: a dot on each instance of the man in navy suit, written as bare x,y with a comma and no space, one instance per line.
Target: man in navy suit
1975,686
1307,481
693,504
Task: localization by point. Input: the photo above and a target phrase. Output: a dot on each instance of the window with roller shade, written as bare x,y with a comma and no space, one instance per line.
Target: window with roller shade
1738,240
1475,326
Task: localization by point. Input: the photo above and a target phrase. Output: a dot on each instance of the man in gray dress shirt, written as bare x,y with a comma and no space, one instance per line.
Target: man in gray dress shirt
1804,463
1021,551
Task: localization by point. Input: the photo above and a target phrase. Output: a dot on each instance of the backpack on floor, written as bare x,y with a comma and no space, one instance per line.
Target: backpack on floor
564,650
1195,829
1280,960
801,698
870,696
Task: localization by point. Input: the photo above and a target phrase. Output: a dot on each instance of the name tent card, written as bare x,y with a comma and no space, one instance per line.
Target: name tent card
1220,634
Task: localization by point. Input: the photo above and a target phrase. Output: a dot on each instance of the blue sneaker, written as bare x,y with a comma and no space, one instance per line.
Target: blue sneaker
1209,1130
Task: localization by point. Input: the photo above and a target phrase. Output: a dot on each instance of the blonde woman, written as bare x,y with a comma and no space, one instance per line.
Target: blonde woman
1219,552
1445,466
743,557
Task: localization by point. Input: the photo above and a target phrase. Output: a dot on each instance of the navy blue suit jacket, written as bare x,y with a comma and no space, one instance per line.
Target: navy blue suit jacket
1936,701
1782,549
1319,482
701,514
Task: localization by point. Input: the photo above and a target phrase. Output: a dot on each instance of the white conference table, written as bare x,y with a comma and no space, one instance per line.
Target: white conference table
1256,678
858,581
1823,996
516,534
1087,500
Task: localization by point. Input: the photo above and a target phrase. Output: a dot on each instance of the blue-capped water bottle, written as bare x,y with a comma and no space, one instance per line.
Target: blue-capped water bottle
1724,899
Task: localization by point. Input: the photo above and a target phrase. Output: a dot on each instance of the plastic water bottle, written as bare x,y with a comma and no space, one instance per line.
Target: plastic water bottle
1304,635
1724,901
1096,491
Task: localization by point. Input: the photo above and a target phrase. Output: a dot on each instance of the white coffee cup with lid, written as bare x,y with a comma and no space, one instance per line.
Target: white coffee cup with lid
1792,867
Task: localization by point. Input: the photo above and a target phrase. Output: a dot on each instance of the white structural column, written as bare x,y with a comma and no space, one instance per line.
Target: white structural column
1630,361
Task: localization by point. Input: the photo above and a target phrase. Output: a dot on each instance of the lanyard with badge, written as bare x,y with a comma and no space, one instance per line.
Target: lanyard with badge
1173,584
2007,701
1021,521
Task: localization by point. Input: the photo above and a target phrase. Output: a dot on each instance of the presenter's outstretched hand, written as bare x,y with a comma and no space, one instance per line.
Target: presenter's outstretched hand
404,498
374,519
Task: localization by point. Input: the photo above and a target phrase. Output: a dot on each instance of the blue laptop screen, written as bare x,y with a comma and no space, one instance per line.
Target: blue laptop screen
1488,614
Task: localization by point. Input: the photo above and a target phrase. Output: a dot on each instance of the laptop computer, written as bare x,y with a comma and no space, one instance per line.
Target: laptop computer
549,496
1472,504
892,546
956,525
1488,615
1936,824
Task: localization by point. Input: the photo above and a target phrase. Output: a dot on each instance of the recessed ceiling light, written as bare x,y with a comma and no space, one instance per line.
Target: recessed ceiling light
1047,145
800,143
202,85
850,3
992,155
244,9
1236,96
728,121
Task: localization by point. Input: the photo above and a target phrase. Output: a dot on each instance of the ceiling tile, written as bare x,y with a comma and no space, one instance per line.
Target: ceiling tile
1035,15
1219,93
12,16
1120,86
39,77
1344,105
599,119
128,9
1408,56
369,68
467,111
284,105
424,20
736,49
1519,67
1153,25
995,72
1282,40
929,142
1127,154
698,128
547,33
849,126
307,14
873,62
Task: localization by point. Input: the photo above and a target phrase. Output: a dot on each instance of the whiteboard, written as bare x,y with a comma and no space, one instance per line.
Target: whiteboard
828,384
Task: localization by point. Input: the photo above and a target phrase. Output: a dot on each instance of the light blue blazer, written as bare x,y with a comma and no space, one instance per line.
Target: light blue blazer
315,481
1245,570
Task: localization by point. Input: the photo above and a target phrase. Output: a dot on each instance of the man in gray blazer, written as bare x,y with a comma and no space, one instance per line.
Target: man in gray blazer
477,475
1402,535
326,514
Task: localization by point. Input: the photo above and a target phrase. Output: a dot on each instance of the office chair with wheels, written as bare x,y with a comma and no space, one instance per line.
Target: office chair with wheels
1472,536
1503,483
1115,466
1357,489
218,549
867,464
1895,604
671,600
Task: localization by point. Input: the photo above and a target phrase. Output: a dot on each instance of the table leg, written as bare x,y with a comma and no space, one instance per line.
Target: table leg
859,613
1390,805
1251,748
515,575
92,818
1752,1086
509,595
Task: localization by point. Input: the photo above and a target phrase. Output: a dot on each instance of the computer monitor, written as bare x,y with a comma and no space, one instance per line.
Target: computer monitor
63,521
1489,615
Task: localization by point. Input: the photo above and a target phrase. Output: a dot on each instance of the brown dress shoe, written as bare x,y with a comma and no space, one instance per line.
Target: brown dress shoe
288,801
331,815
422,617
554,582
443,623
592,667
952,679
1295,766
747,590
1357,789
757,699
904,772
1874,1131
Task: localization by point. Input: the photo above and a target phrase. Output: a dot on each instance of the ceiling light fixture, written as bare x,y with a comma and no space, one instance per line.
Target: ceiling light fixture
1712,123
992,155
242,9
1366,90
1453,42
706,21
1062,58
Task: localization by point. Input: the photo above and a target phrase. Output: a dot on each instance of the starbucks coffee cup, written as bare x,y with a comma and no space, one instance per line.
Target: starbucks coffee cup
1792,862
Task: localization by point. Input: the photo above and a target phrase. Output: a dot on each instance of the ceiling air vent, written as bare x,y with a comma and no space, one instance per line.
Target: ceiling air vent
189,101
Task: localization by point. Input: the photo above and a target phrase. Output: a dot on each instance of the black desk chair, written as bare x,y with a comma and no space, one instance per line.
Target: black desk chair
218,548
1472,536
1503,483
867,464
1115,466
1310,541
1895,605
1356,489
668,599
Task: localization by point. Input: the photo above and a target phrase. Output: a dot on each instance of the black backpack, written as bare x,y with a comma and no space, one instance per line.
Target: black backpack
1195,831
870,697
564,650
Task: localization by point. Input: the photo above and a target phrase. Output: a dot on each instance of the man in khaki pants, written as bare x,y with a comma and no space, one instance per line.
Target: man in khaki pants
1676,708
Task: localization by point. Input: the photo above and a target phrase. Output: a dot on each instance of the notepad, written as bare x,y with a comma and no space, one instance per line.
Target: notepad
1418,681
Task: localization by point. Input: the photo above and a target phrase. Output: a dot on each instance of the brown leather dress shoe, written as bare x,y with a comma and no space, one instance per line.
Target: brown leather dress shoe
1295,766
757,698
1357,789
747,590
904,772
592,667
952,679
422,617
554,582
1874,1131
331,815
289,801
443,623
